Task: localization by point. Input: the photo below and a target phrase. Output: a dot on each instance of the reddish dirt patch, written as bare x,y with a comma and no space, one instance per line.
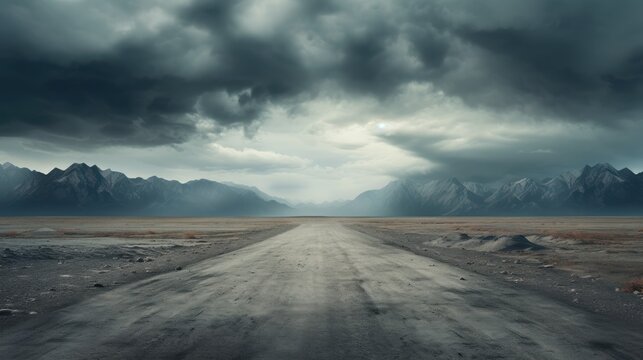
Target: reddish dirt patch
633,285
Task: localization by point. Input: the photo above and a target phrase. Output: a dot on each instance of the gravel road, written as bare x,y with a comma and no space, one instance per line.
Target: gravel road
319,291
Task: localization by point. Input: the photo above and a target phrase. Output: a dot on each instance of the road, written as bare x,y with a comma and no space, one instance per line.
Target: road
319,291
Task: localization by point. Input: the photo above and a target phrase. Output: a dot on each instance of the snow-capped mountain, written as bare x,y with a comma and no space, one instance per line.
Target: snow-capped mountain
598,189
15,181
88,190
415,197
479,189
602,186
524,193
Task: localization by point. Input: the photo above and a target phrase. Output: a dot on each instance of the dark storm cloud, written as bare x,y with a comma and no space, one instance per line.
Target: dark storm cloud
101,99
522,153
530,158
82,70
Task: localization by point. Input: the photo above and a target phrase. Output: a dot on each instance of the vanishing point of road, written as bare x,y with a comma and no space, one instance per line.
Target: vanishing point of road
319,291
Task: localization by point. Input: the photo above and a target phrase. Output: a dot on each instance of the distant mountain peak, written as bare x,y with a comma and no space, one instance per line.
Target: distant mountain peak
82,189
601,167
594,189
55,171
83,170
202,182
85,189
76,166
626,172
8,165
603,171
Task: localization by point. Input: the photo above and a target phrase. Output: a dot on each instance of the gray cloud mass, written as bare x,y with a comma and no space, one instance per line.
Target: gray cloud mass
145,73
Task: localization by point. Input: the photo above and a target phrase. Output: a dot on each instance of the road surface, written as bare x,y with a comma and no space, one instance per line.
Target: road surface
319,291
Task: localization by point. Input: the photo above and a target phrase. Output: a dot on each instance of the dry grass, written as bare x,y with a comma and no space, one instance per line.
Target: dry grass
633,285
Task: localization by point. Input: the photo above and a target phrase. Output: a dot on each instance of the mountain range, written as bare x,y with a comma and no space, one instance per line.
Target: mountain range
88,190
594,190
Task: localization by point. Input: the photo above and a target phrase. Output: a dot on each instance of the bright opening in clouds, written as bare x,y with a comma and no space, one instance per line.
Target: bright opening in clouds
320,100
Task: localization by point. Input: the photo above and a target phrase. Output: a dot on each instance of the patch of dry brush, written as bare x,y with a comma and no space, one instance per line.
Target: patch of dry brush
633,285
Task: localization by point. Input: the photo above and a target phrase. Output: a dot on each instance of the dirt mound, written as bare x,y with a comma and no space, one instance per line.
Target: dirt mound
509,243
489,243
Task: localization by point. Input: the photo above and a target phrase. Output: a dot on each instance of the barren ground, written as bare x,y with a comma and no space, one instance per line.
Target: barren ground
586,261
319,288
48,263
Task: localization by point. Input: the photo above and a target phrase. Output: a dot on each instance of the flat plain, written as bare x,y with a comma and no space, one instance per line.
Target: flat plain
325,288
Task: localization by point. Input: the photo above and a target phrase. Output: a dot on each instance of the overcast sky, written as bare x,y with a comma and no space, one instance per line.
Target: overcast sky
320,100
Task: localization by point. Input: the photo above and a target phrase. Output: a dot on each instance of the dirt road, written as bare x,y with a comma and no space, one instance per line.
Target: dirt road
319,291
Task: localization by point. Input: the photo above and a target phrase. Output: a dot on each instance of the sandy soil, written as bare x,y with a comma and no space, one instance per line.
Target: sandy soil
49,263
584,261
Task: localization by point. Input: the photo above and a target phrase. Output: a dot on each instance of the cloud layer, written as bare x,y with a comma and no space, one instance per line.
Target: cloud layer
522,82
141,72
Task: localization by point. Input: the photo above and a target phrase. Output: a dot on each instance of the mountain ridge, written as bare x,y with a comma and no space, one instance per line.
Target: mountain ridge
82,189
600,189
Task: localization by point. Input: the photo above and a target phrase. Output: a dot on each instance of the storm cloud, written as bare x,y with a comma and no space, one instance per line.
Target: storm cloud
141,73
84,74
